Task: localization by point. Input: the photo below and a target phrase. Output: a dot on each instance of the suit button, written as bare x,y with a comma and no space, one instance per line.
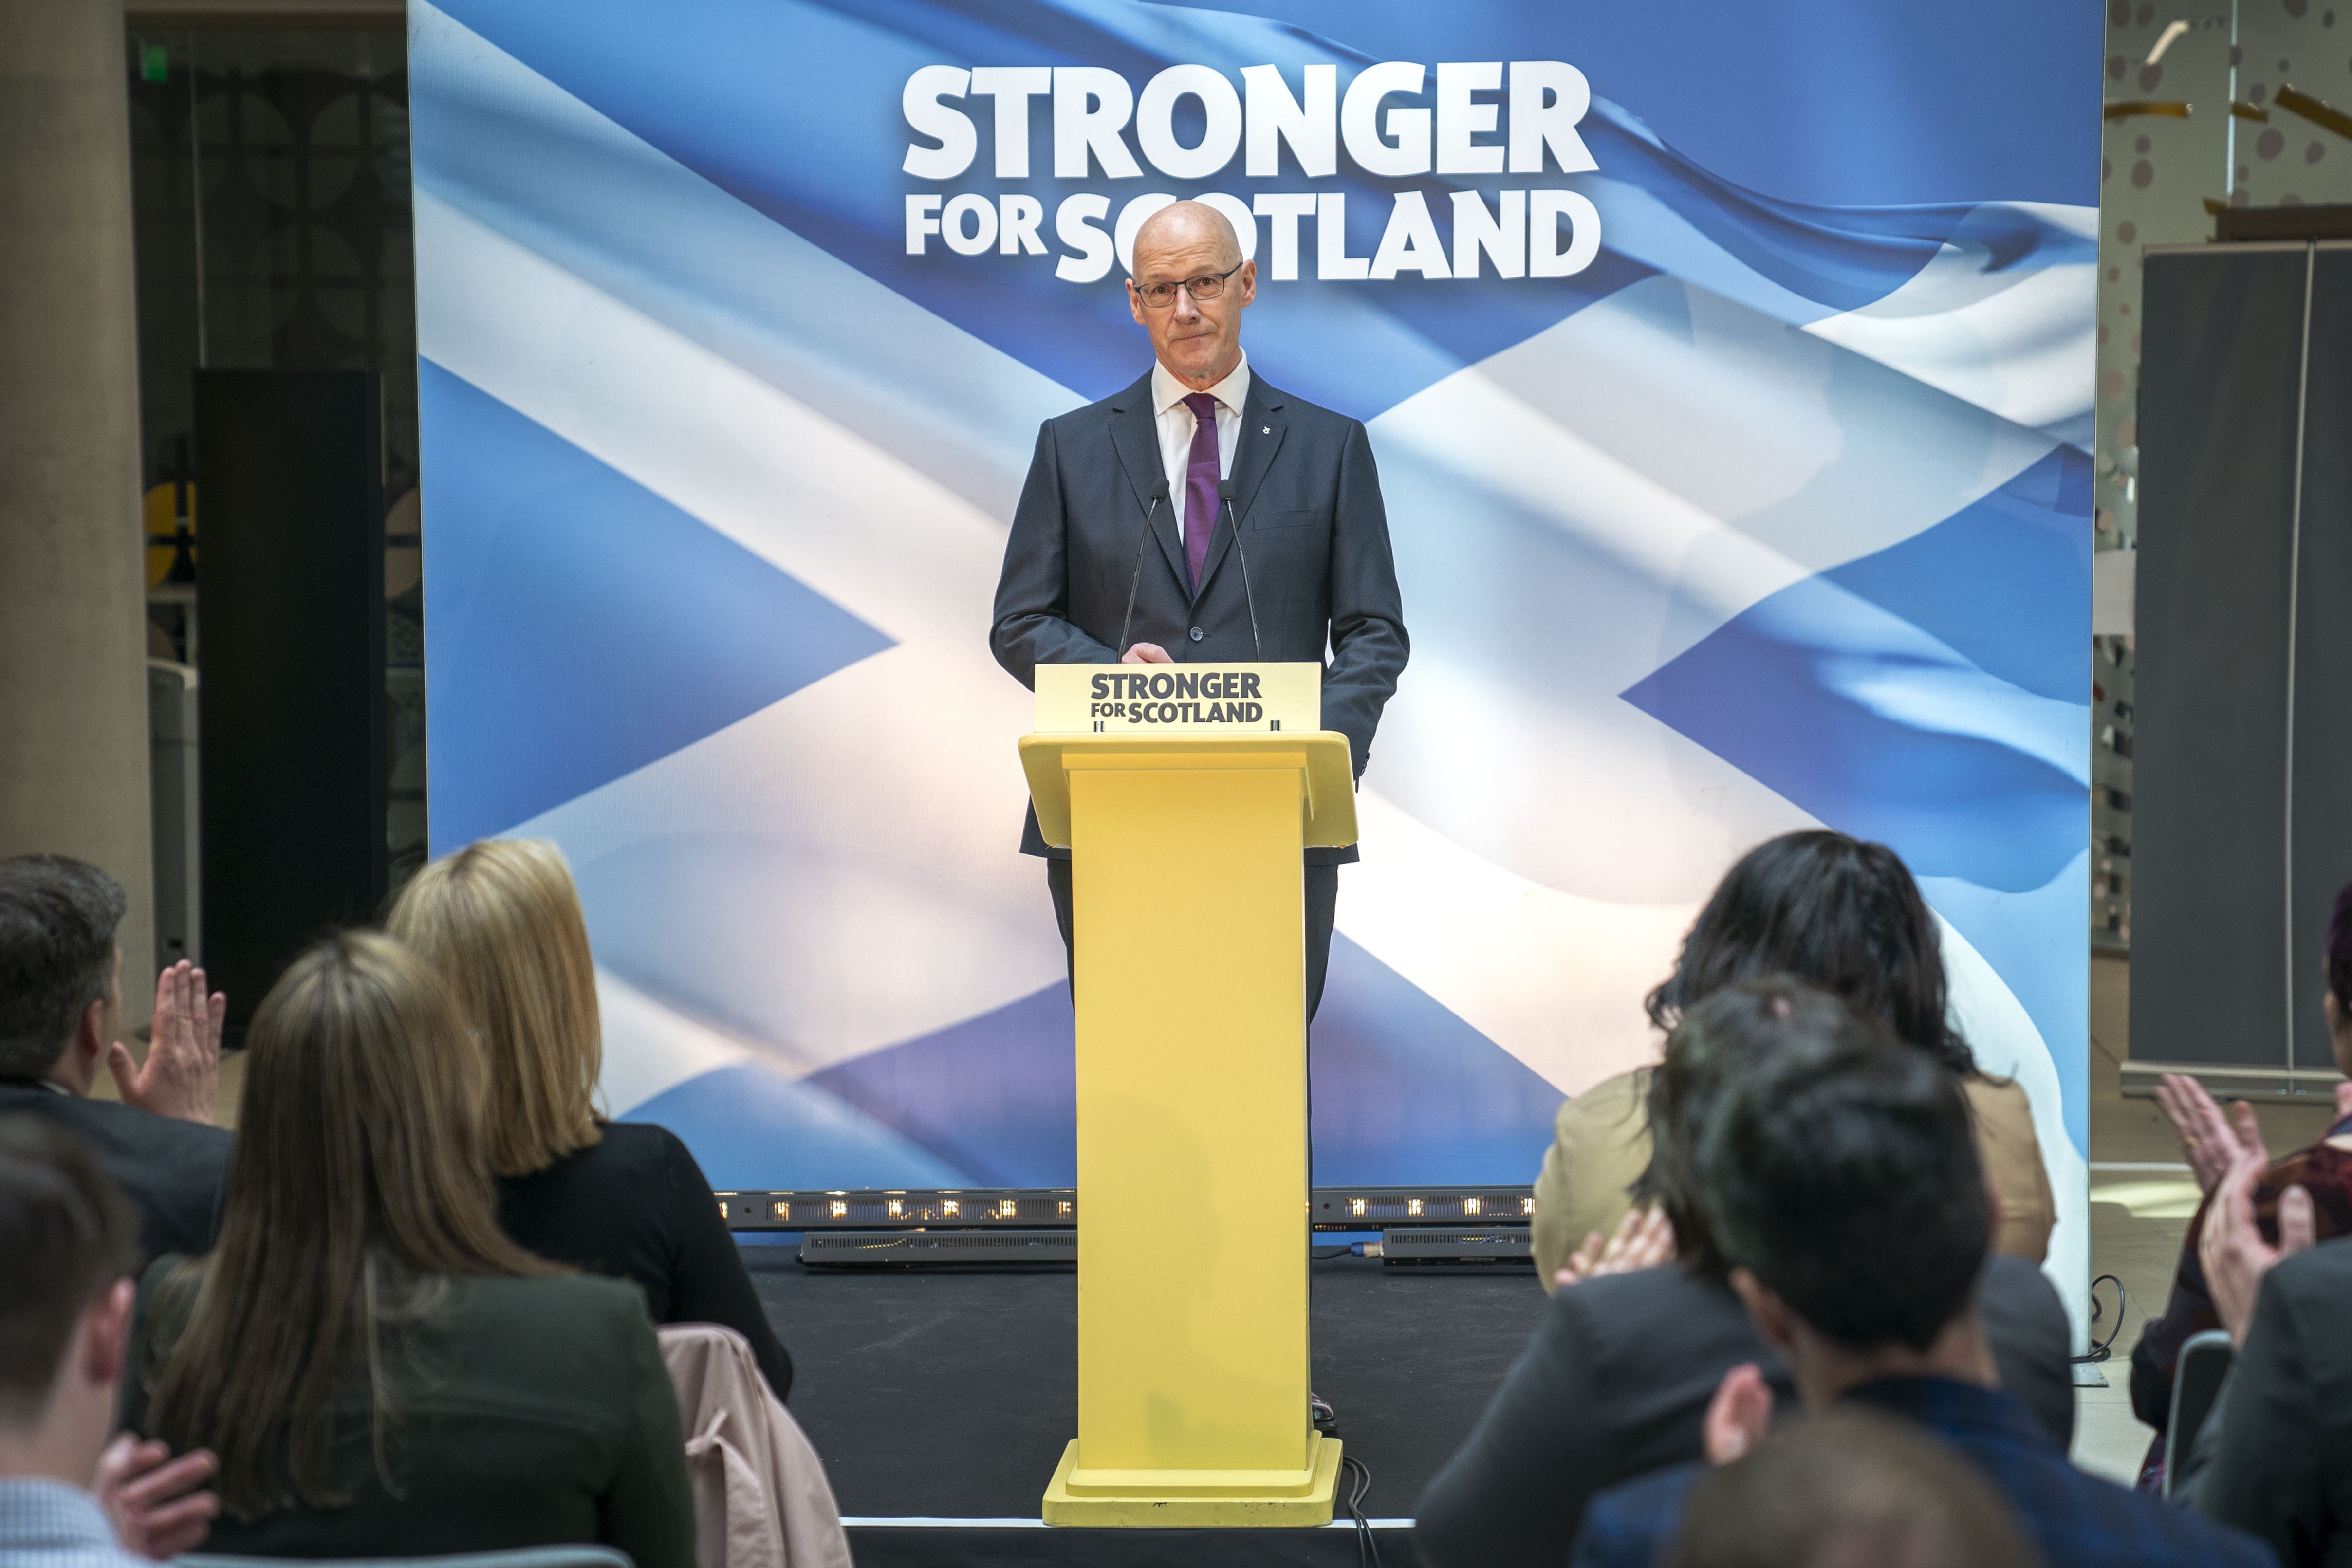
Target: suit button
1198,633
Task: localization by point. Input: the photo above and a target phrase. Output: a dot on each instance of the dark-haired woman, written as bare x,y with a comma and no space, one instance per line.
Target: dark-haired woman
2210,1143
1847,916
382,1372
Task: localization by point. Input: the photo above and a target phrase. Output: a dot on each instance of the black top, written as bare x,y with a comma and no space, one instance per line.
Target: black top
2281,1459
1315,536
1615,1385
173,1171
530,1413
634,1206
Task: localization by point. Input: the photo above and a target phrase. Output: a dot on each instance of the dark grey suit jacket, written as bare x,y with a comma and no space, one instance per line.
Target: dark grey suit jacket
1616,1382
173,1172
1316,535
2275,1457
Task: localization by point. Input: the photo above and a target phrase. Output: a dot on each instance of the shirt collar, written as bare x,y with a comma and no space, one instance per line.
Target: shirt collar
53,1088
66,1515
1168,392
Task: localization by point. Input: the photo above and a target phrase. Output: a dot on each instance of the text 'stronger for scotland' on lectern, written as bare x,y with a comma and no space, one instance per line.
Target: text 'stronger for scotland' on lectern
1185,793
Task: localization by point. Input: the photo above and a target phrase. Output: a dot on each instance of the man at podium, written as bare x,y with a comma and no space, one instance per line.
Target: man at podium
1150,517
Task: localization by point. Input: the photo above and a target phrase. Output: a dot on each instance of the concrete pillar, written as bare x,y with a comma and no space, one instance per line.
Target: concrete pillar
73,679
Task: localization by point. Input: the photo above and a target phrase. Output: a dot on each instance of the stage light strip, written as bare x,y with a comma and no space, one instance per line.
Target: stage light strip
1329,1209
880,1522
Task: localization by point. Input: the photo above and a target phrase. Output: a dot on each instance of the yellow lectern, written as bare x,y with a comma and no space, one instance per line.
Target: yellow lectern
1190,969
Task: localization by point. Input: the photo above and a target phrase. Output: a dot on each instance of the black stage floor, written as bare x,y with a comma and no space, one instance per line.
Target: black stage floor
949,1395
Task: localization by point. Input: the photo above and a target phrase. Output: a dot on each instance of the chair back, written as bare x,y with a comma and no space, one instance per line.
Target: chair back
2196,1382
760,1496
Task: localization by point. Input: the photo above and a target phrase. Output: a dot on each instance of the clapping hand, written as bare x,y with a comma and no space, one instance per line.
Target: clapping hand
2232,1248
181,1077
1738,1414
2211,1142
152,1499
1643,1238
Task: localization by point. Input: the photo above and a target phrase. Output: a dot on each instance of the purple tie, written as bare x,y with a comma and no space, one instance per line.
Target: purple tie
1201,485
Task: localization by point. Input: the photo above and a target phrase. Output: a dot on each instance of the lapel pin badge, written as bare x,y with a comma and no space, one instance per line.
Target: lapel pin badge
1266,430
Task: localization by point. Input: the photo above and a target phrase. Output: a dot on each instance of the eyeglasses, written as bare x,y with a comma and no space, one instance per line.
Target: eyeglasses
1207,287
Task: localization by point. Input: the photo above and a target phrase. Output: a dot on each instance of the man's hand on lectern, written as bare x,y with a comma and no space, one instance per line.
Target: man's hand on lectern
1146,653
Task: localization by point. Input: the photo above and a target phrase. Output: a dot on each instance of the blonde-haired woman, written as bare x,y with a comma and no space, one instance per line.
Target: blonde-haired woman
380,1369
501,920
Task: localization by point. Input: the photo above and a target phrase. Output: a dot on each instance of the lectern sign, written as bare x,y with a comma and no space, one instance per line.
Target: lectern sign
1179,699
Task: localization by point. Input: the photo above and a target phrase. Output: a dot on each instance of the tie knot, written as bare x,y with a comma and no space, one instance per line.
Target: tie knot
1202,405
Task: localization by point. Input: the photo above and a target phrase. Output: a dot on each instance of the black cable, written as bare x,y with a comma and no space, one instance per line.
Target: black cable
1159,493
1367,1547
2105,1347
1225,496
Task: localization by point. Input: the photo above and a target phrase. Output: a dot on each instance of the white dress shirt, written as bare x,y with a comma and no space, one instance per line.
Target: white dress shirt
49,1524
1177,425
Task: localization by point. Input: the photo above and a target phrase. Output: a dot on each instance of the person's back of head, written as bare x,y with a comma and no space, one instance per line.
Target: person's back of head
501,920
1738,1030
1837,912
1842,1174
358,1174
67,1241
58,922
1850,1488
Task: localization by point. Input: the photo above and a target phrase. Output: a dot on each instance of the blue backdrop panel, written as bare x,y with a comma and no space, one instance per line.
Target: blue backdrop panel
1770,511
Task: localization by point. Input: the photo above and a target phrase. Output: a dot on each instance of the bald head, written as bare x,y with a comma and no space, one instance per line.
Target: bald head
1199,340
1186,226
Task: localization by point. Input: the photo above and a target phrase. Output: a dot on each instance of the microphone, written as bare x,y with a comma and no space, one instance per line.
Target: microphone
1226,499
1159,493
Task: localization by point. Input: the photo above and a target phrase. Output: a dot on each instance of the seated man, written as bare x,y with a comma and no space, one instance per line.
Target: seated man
68,1240
1841,1183
60,1010
1616,1379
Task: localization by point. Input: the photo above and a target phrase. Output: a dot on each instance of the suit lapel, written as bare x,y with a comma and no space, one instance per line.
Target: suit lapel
1135,436
1259,439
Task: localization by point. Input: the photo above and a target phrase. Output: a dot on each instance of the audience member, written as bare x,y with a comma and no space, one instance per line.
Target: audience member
70,1498
501,919
2212,1143
1846,916
2274,1457
381,1371
1842,1185
1616,1381
1849,1489
60,1011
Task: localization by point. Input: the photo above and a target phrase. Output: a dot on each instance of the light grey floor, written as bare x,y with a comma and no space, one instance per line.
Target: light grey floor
2141,1200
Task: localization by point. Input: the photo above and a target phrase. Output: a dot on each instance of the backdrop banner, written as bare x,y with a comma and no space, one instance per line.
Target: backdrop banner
1729,365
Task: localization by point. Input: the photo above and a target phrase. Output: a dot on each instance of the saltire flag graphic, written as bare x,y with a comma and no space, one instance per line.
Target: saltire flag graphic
1773,513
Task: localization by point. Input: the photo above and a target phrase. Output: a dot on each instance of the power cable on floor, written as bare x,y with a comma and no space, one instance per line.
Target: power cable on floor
1367,1549
2105,1347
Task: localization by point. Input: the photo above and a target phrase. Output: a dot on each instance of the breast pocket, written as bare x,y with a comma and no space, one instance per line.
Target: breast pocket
1269,521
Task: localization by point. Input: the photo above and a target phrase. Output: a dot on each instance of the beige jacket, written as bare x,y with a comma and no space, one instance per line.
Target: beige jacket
1600,1144
761,1499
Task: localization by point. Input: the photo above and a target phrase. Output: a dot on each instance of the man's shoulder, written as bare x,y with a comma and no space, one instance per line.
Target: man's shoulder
2085,1519
1653,1317
1103,410
46,1521
1303,416
114,1126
